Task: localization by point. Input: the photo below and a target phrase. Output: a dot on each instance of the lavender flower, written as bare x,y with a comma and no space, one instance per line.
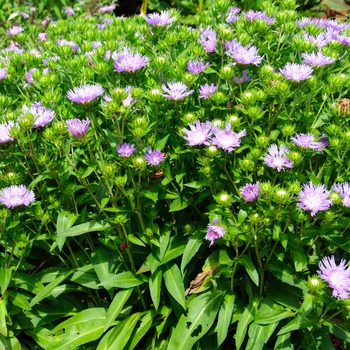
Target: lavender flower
243,54
227,139
153,157
16,195
29,76
128,61
344,190
85,93
41,114
129,99
42,36
245,77
232,12
296,72
314,198
3,73
176,91
250,192
14,30
208,39
77,127
159,19
337,276
308,141
196,66
206,90
69,11
126,149
316,59
198,134
24,15
214,232
277,159
254,15
5,132
106,9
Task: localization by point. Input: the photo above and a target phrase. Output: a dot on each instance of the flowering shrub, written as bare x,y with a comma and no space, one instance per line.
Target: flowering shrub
164,187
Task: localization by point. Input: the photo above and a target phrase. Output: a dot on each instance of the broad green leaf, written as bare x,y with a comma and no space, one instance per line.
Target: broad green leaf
338,331
46,291
283,342
270,312
179,204
116,306
217,258
201,314
9,343
192,247
259,335
298,322
3,315
307,306
246,318
27,282
65,221
175,249
19,299
164,313
135,240
5,278
127,279
160,144
155,286
324,117
241,216
150,195
198,185
101,262
225,317
246,261
300,262
174,283
12,224
42,336
336,5
86,277
117,337
91,226
322,338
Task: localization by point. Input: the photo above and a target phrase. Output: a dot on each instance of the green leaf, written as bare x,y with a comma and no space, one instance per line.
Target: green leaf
246,261
243,322
336,5
9,343
297,323
259,335
225,317
117,337
201,314
150,195
46,291
271,312
91,226
135,240
101,262
241,216
338,331
198,185
174,283
65,221
160,144
116,306
3,317
19,299
217,258
283,342
127,279
192,247
300,262
5,278
164,313
27,282
155,286
179,204
324,117
12,224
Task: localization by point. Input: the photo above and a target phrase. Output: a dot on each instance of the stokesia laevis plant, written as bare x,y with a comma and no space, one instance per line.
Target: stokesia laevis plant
154,172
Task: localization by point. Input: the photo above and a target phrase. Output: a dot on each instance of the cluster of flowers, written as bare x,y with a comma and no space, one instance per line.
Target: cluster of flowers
153,157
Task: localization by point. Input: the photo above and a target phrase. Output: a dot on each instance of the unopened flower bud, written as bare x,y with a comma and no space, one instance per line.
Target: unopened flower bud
234,121
255,218
265,187
140,163
189,118
226,72
120,181
223,199
281,196
288,130
246,164
262,141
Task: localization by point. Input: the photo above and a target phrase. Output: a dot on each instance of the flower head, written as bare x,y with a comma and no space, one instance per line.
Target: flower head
159,19
107,9
277,159
206,90
85,93
69,11
127,61
77,127
316,59
16,195
231,13
196,66
344,190
308,141
198,134
41,114
243,54
245,77
250,192
254,15
208,39
14,30
296,72
153,157
214,232
126,149
176,91
3,73
337,276
5,132
314,198
227,139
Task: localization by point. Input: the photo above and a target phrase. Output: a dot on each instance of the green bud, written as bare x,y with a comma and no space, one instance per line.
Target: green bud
120,181
296,157
109,170
294,187
119,94
43,159
212,151
281,196
248,98
262,141
189,228
266,72
224,199
234,121
256,153
139,163
137,93
121,219
219,97
226,72
266,187
288,4
246,164
255,112
288,130
255,218
189,118
336,143
26,122
315,284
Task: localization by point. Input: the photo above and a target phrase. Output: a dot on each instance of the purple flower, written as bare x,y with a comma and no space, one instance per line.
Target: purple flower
159,19
126,149
208,39
308,141
14,30
106,9
29,76
42,36
176,91
305,21
69,11
24,15
206,90
77,127
296,72
227,139
198,134
3,73
16,195
245,77
214,232
196,66
316,59
254,15
127,61
277,159
85,93
5,132
153,157
320,40
72,44
232,12
344,190
337,276
250,192
314,198
41,114
243,54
